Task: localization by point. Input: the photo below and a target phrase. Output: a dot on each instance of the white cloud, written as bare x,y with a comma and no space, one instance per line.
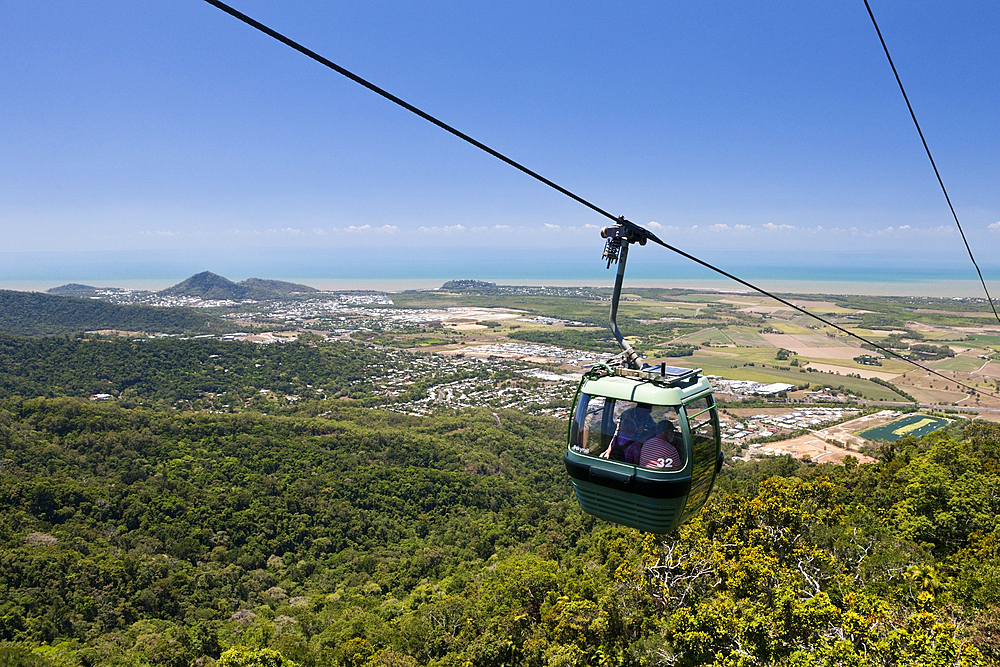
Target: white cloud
387,229
655,225
904,227
501,226
446,228
741,227
157,233
318,231
719,227
551,226
590,226
355,228
291,230
995,227
771,226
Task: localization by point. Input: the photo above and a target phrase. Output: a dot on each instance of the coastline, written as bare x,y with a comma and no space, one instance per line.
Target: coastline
944,288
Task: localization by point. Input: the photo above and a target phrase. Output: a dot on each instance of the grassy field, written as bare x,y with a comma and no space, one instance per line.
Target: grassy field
960,364
985,339
746,337
768,373
917,425
787,327
709,335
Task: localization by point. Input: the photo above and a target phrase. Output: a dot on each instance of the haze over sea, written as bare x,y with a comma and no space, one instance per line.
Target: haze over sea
394,269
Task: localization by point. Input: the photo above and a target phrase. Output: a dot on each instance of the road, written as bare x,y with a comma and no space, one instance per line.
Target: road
929,406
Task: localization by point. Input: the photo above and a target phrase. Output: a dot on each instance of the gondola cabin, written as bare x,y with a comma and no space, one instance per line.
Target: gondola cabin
644,445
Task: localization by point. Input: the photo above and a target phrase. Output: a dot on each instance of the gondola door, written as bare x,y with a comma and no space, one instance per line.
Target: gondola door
702,424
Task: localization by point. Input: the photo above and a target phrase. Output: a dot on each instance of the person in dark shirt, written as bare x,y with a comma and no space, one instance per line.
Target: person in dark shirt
659,451
635,426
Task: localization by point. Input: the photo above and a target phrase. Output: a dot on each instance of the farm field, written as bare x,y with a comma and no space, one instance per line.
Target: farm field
725,333
745,338
858,386
960,364
863,371
709,335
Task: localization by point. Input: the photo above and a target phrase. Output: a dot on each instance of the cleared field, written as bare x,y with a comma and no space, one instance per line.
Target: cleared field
814,346
957,313
860,387
863,371
820,341
985,339
708,335
926,395
957,336
959,364
746,338
917,425
992,369
681,305
813,448
823,307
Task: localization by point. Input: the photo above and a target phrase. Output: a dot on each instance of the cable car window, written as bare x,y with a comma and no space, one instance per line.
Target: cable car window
646,435
702,424
588,435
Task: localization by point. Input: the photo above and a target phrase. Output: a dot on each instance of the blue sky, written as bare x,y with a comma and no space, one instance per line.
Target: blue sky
747,132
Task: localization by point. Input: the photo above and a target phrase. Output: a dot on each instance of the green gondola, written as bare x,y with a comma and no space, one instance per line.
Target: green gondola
643,446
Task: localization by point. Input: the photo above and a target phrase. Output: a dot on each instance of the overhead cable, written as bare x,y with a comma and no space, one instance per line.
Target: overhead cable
931,158
652,237
500,156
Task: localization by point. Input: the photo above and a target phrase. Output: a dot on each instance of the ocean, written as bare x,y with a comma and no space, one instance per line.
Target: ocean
395,269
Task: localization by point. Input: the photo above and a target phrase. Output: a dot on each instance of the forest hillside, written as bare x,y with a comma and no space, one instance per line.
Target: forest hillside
38,314
132,536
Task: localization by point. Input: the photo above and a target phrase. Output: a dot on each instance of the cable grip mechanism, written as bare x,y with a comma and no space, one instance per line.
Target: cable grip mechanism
623,232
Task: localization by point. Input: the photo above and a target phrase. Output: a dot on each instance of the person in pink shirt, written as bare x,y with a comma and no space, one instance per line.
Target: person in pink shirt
659,451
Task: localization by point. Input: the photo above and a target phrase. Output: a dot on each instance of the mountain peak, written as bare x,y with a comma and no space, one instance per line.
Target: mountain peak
208,285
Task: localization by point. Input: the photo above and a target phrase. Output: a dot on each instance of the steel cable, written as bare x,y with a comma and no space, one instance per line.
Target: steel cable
500,156
931,158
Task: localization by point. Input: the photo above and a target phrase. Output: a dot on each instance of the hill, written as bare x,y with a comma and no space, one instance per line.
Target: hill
183,373
367,538
76,289
211,286
208,285
471,286
275,288
38,314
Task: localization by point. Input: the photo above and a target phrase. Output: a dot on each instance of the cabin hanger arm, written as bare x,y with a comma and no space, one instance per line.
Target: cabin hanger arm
619,238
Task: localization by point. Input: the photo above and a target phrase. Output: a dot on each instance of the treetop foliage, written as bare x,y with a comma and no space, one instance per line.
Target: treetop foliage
38,314
137,536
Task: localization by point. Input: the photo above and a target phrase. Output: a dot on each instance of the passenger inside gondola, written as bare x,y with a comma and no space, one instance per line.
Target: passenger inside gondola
659,451
618,430
635,426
